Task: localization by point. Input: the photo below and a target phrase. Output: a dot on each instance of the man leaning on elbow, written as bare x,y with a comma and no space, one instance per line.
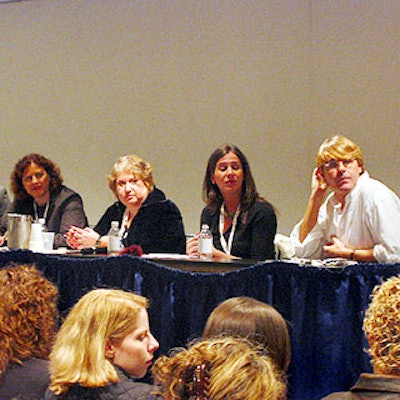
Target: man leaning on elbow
349,214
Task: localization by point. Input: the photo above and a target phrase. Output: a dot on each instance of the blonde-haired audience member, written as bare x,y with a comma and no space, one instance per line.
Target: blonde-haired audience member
28,325
219,369
382,328
255,320
360,218
103,345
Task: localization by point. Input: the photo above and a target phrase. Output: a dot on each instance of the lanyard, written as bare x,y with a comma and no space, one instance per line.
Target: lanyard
35,209
227,247
123,232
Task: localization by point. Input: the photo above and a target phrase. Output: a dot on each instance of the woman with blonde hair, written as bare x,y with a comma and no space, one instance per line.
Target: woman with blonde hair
146,217
103,345
255,320
219,369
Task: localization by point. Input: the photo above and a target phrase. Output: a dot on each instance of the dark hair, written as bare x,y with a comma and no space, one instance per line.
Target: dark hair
49,166
254,320
211,193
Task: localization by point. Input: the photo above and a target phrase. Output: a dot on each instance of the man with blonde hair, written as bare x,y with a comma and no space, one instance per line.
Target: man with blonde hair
360,218
382,328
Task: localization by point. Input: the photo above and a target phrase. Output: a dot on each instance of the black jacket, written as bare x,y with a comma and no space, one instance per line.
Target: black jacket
157,227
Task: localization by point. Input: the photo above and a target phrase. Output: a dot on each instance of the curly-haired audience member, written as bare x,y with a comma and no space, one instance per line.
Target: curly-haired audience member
382,328
255,320
103,345
218,369
28,325
38,189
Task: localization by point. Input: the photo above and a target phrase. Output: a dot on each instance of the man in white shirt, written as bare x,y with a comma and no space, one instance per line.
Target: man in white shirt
358,220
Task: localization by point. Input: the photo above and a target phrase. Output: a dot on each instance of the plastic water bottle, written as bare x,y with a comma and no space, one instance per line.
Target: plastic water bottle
114,240
205,243
42,221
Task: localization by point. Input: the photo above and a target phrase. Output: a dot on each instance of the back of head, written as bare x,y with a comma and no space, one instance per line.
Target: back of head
219,369
255,320
28,314
382,327
78,356
339,147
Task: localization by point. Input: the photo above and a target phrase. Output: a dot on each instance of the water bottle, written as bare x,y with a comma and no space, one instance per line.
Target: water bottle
42,221
205,243
114,240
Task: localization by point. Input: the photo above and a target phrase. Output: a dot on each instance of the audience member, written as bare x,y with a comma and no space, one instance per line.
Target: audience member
218,369
382,328
38,191
252,319
28,325
359,220
146,217
242,223
102,346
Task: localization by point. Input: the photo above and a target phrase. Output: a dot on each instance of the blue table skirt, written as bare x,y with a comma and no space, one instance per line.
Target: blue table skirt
324,307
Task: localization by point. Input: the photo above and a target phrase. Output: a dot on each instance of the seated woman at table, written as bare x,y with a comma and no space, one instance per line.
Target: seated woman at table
242,223
38,189
103,345
146,217
218,369
28,326
255,320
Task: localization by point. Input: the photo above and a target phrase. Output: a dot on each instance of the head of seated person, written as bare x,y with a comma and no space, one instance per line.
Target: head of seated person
255,320
219,368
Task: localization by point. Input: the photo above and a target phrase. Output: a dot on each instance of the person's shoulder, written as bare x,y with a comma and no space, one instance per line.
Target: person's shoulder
262,205
338,396
129,389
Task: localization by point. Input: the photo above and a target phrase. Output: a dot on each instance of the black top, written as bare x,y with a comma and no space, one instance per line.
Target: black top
254,234
126,389
157,227
371,386
25,382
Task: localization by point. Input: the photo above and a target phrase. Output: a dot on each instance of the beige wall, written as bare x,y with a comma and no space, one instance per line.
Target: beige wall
88,80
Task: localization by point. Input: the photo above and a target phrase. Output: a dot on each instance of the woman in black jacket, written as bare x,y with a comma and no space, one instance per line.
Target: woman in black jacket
146,217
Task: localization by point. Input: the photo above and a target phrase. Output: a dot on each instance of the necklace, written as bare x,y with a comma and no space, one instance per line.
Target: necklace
227,246
230,215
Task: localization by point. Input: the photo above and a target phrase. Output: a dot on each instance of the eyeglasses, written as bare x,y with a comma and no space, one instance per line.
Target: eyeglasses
334,164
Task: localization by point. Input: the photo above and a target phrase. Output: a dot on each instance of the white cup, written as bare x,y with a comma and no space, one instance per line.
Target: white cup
48,241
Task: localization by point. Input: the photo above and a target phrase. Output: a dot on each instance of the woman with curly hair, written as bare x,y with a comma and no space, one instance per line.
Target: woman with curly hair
382,328
219,369
28,325
38,189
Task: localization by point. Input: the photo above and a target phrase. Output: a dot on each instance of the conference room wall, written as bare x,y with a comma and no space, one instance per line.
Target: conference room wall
86,81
